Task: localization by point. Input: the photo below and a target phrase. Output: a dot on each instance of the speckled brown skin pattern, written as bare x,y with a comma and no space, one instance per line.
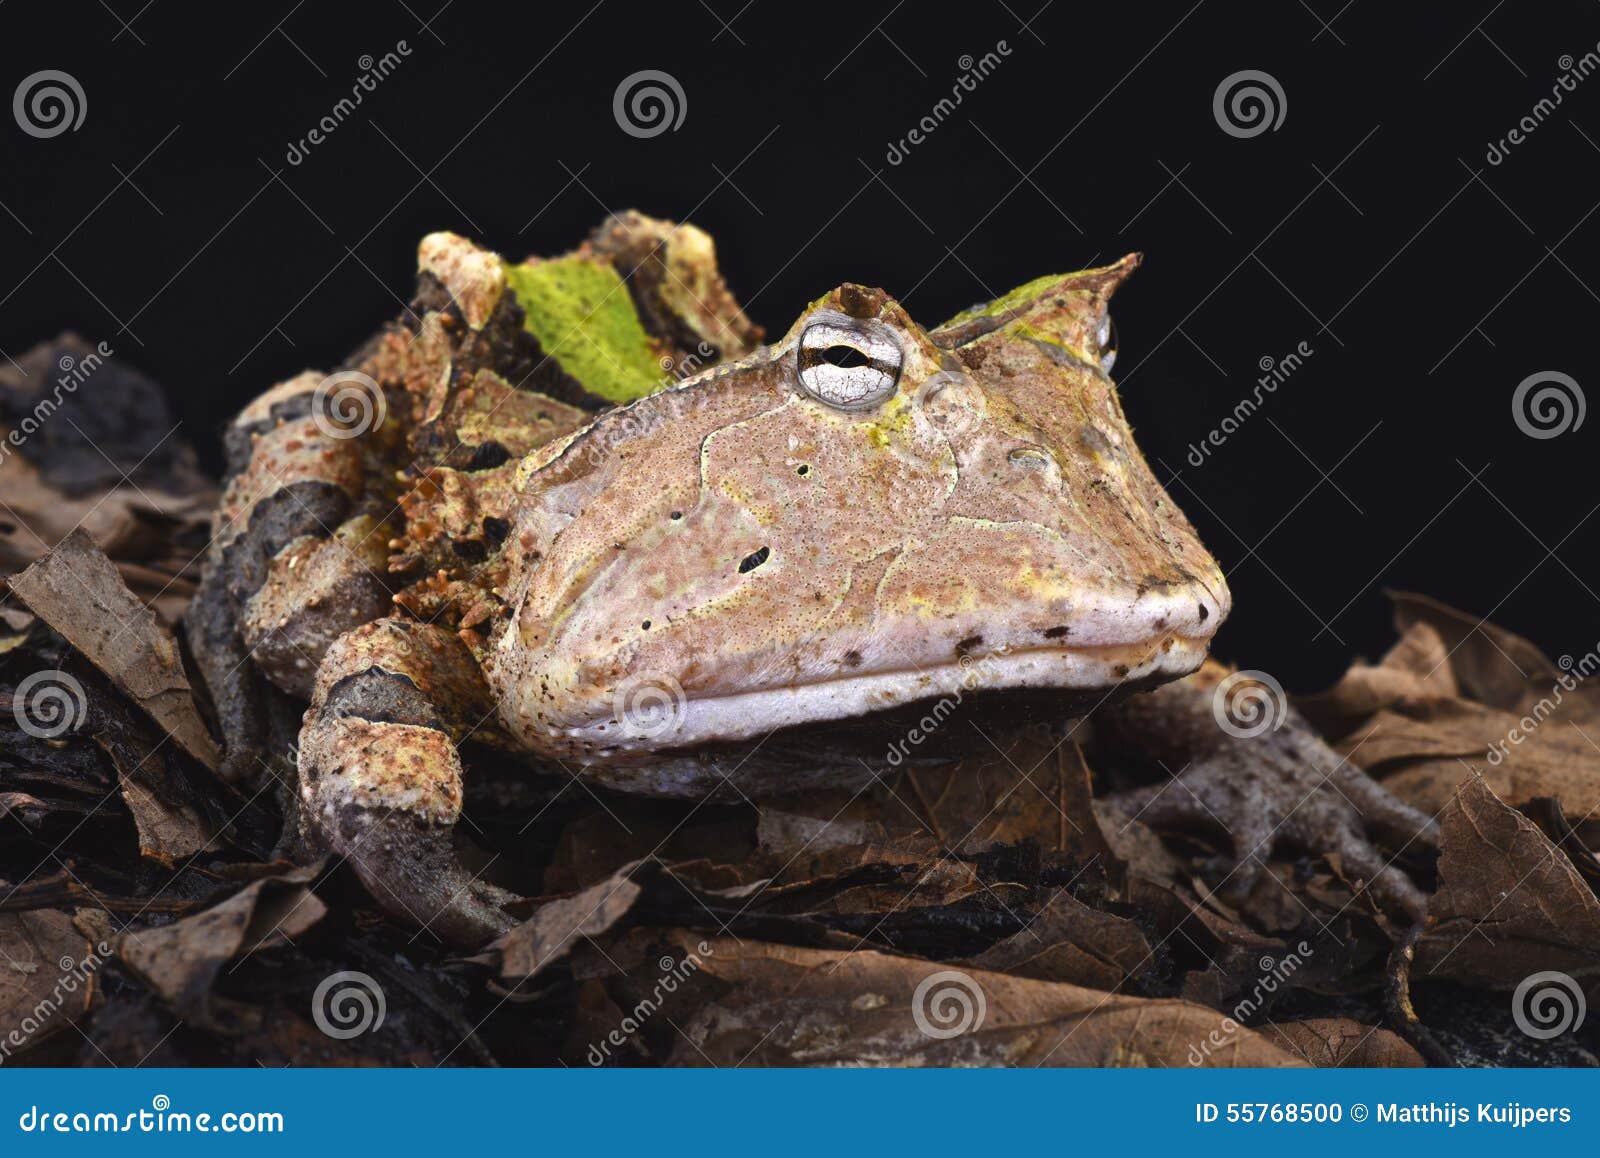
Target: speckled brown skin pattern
751,547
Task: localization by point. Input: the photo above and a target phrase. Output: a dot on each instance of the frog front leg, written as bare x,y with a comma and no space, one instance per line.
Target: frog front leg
1272,781
380,772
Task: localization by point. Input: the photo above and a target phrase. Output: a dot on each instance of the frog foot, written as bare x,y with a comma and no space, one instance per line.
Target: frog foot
380,774
1251,765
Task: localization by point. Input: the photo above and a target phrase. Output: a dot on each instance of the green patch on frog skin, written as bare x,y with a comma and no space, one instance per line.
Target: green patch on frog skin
1021,296
584,317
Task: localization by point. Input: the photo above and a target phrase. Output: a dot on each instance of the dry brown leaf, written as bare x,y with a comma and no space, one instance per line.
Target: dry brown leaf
1493,666
792,1006
167,809
1509,903
557,926
1457,696
77,591
1069,941
1339,1041
180,962
49,976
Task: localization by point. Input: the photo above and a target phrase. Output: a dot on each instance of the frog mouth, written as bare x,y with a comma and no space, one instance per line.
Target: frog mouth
1082,674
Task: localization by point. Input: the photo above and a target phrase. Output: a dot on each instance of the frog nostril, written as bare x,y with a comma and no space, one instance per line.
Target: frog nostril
754,560
1029,458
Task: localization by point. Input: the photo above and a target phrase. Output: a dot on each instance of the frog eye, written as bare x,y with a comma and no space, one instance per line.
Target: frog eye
849,364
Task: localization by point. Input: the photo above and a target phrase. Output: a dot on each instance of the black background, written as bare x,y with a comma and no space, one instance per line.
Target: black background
1369,224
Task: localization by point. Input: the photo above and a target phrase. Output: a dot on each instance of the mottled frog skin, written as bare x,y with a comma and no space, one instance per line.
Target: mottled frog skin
775,543
445,541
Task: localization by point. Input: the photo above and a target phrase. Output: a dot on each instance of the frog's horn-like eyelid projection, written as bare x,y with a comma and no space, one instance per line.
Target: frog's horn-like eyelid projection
1066,310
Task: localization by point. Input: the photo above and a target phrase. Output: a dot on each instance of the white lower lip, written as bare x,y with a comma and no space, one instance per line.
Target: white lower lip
747,715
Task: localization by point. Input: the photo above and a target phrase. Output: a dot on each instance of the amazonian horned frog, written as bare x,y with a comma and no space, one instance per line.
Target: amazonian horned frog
445,540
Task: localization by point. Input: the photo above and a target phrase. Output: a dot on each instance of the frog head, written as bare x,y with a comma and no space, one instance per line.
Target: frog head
862,515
